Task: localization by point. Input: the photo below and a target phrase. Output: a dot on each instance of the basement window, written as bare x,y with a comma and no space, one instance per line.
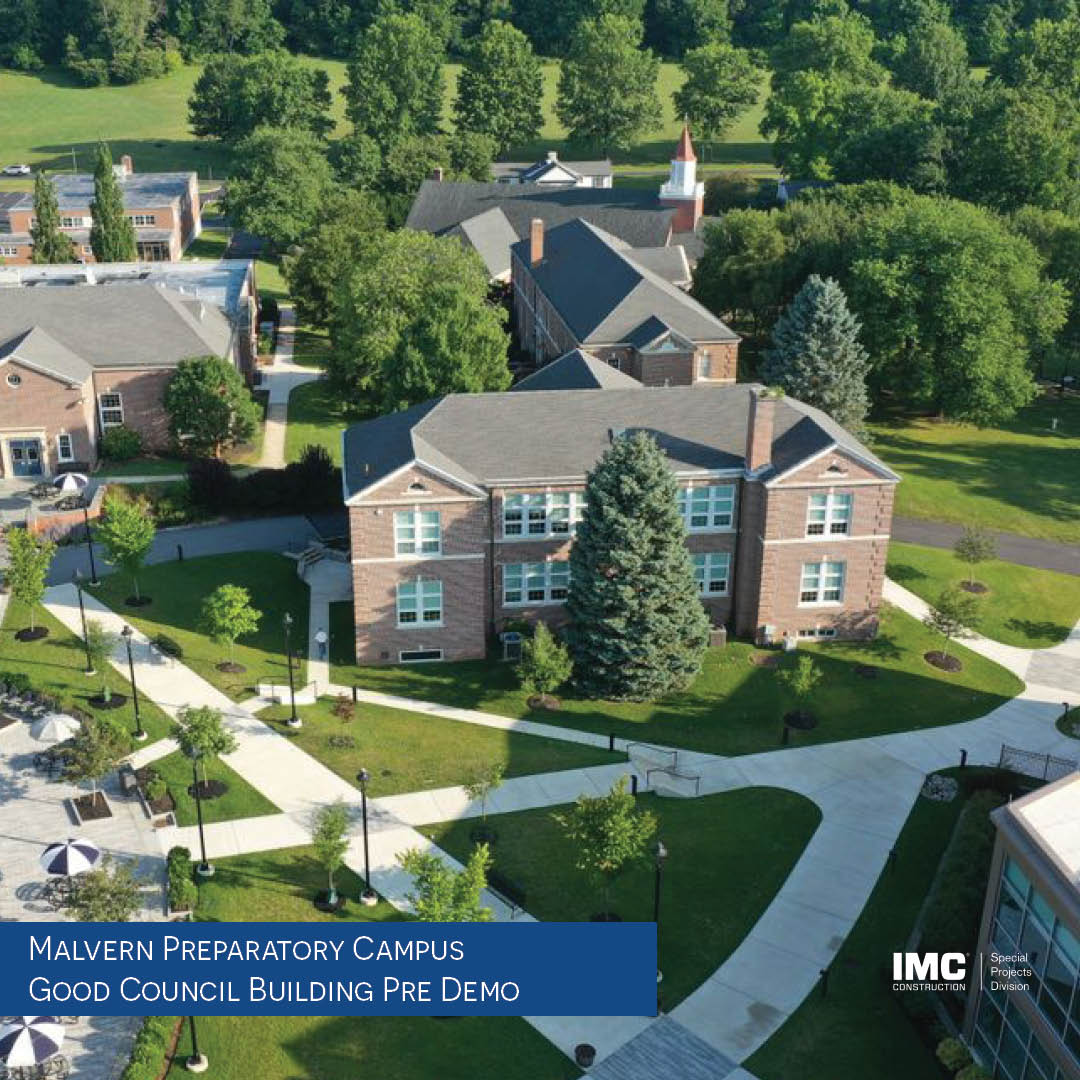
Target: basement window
419,656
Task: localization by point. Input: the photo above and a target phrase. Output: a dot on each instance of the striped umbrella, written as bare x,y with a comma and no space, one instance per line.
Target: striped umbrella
54,728
71,856
30,1040
70,481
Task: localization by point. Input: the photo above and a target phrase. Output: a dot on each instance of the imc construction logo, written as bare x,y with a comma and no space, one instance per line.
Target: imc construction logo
929,971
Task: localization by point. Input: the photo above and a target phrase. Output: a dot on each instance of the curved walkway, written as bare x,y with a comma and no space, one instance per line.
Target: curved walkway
865,789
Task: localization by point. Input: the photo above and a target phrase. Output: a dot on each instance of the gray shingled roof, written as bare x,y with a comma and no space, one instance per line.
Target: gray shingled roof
39,350
491,234
141,190
530,171
603,294
577,370
111,327
669,262
548,434
633,215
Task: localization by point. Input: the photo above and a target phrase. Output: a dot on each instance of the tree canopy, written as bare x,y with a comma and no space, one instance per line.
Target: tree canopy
112,235
721,83
126,531
209,405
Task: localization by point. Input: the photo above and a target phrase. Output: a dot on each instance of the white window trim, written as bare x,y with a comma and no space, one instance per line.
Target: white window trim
816,633
819,603
525,602
686,497
60,455
420,621
713,560
574,506
118,407
416,524
833,501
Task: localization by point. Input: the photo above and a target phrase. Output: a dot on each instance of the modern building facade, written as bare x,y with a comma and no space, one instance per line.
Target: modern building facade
462,510
1023,1016
163,207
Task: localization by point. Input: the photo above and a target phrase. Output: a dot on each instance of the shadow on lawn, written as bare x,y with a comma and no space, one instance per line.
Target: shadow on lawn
1039,631
148,155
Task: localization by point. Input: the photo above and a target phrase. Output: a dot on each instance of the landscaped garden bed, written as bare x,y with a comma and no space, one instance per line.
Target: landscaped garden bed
728,855
734,706
93,806
233,797
408,751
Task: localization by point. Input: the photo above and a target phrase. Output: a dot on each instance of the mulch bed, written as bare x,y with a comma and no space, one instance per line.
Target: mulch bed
765,659
941,661
230,668
544,701
209,789
92,808
164,805
28,634
138,601
866,671
321,904
800,720
115,701
976,587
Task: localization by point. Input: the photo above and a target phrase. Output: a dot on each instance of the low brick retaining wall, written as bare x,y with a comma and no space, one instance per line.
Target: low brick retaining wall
59,525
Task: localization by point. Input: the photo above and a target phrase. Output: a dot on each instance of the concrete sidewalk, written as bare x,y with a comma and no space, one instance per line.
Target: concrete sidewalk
280,379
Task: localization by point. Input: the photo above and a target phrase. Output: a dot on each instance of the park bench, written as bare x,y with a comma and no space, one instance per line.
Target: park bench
129,782
508,891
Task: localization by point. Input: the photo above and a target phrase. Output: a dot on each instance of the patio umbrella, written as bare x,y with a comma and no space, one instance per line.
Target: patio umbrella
71,856
70,481
30,1040
54,727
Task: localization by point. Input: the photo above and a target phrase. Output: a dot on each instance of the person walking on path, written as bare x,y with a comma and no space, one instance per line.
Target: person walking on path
320,640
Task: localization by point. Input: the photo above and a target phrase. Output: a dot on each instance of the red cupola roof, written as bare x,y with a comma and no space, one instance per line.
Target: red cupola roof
685,152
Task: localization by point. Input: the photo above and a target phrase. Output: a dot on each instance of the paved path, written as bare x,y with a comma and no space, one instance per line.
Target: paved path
281,378
1026,550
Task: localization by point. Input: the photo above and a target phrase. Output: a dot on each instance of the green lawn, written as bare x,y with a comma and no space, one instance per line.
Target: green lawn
178,590
55,665
728,855
311,346
210,244
1034,609
734,707
278,886
860,1029
144,466
317,414
1021,477
269,279
407,751
241,800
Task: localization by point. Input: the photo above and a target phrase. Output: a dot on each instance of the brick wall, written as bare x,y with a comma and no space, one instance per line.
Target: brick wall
141,392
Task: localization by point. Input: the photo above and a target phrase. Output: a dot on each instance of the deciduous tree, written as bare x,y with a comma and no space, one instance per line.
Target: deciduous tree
29,558
976,545
209,405
96,749
228,614
721,83
545,662
100,644
202,735
126,531
442,894
952,615
330,840
108,893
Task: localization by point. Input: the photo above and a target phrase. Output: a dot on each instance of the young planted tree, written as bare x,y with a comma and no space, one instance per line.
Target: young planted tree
608,834
112,235
126,531
639,630
975,546
330,840
954,614
209,405
545,663
442,894
100,644
800,681
227,614
29,557
108,893
483,783
816,355
50,244
96,750
202,735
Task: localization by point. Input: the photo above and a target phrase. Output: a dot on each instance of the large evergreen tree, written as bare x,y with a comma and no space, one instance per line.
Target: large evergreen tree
816,355
112,235
50,244
639,630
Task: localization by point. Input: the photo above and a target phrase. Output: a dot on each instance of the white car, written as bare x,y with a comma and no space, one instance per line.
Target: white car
16,170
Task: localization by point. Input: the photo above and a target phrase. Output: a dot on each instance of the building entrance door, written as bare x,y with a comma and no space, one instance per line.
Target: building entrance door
25,457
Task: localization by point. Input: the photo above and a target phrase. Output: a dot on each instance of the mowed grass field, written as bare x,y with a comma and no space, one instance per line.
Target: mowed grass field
47,115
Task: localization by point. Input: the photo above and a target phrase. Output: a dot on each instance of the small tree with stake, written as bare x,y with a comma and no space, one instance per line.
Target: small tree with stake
443,894
953,615
29,559
227,613
202,734
480,787
330,840
800,681
100,644
94,751
609,833
975,546
545,665
126,531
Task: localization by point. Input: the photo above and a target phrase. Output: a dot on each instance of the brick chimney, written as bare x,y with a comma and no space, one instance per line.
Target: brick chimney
129,168
759,427
437,173
536,241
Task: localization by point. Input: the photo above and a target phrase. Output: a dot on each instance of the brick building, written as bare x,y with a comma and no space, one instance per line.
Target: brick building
163,207
578,287
462,510
78,357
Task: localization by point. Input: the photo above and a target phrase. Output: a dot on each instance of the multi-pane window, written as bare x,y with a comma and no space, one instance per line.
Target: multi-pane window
828,515
417,532
705,508
419,603
552,513
535,583
712,570
76,222
822,583
142,219
8,249
64,450
112,409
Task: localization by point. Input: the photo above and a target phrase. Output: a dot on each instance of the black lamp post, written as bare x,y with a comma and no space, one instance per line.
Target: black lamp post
367,897
294,720
196,1062
204,869
76,580
89,543
127,633
661,853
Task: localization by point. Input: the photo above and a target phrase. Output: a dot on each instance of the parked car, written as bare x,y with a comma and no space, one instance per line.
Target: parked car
16,170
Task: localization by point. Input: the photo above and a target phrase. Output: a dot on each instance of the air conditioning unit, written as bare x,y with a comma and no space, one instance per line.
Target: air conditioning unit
511,643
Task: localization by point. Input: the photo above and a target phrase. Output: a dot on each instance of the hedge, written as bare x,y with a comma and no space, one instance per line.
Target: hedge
183,895
152,1044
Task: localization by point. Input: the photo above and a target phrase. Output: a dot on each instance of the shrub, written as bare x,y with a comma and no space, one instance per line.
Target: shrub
729,190
344,707
121,443
268,310
545,662
181,886
156,788
151,1045
211,485
16,682
169,646
953,1054
313,482
23,58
